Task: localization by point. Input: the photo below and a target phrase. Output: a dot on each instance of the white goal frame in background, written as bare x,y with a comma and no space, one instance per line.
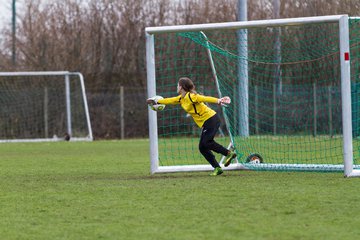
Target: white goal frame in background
342,20
67,100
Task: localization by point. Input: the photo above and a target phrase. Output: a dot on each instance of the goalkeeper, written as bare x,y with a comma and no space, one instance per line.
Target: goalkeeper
205,117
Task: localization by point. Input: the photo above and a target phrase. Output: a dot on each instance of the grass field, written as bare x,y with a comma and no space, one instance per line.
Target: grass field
103,190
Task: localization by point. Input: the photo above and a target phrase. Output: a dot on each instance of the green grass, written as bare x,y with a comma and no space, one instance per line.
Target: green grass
103,190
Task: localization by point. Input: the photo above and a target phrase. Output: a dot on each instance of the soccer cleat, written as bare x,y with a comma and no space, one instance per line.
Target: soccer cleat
231,155
217,171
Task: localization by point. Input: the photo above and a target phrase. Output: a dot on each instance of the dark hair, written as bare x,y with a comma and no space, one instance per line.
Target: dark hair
187,84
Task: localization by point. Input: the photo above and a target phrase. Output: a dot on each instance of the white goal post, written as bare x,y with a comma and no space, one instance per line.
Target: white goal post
42,106
350,170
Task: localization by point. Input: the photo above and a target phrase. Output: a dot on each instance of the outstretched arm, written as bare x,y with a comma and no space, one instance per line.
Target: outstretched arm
166,101
222,101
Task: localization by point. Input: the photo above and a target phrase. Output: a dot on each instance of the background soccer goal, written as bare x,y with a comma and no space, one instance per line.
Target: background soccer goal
294,101
43,106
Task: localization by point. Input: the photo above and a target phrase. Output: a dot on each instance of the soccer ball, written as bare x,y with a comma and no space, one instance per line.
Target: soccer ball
157,107
254,158
67,137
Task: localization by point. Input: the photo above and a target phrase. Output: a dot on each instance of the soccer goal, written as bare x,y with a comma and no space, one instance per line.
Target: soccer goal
43,106
294,101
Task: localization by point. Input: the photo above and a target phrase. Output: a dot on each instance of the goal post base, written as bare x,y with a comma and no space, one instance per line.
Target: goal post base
195,168
261,166
354,173
74,139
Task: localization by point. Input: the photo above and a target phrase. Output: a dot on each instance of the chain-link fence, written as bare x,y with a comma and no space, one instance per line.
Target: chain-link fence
118,112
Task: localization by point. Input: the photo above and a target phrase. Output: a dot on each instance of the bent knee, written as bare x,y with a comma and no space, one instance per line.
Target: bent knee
204,146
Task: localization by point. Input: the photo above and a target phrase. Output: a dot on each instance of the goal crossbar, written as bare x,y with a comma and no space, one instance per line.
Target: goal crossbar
244,24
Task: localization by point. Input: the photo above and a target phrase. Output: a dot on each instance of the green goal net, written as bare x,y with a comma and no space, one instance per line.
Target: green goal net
286,81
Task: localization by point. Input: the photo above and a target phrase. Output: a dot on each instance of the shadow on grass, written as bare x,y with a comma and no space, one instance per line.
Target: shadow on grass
128,177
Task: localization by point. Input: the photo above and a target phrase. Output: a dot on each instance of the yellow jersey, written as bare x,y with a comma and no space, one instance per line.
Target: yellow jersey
194,104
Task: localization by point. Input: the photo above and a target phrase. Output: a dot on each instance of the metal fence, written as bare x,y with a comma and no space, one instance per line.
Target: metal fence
119,112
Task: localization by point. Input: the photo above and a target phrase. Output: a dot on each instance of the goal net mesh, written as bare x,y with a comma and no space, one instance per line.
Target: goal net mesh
37,108
289,111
